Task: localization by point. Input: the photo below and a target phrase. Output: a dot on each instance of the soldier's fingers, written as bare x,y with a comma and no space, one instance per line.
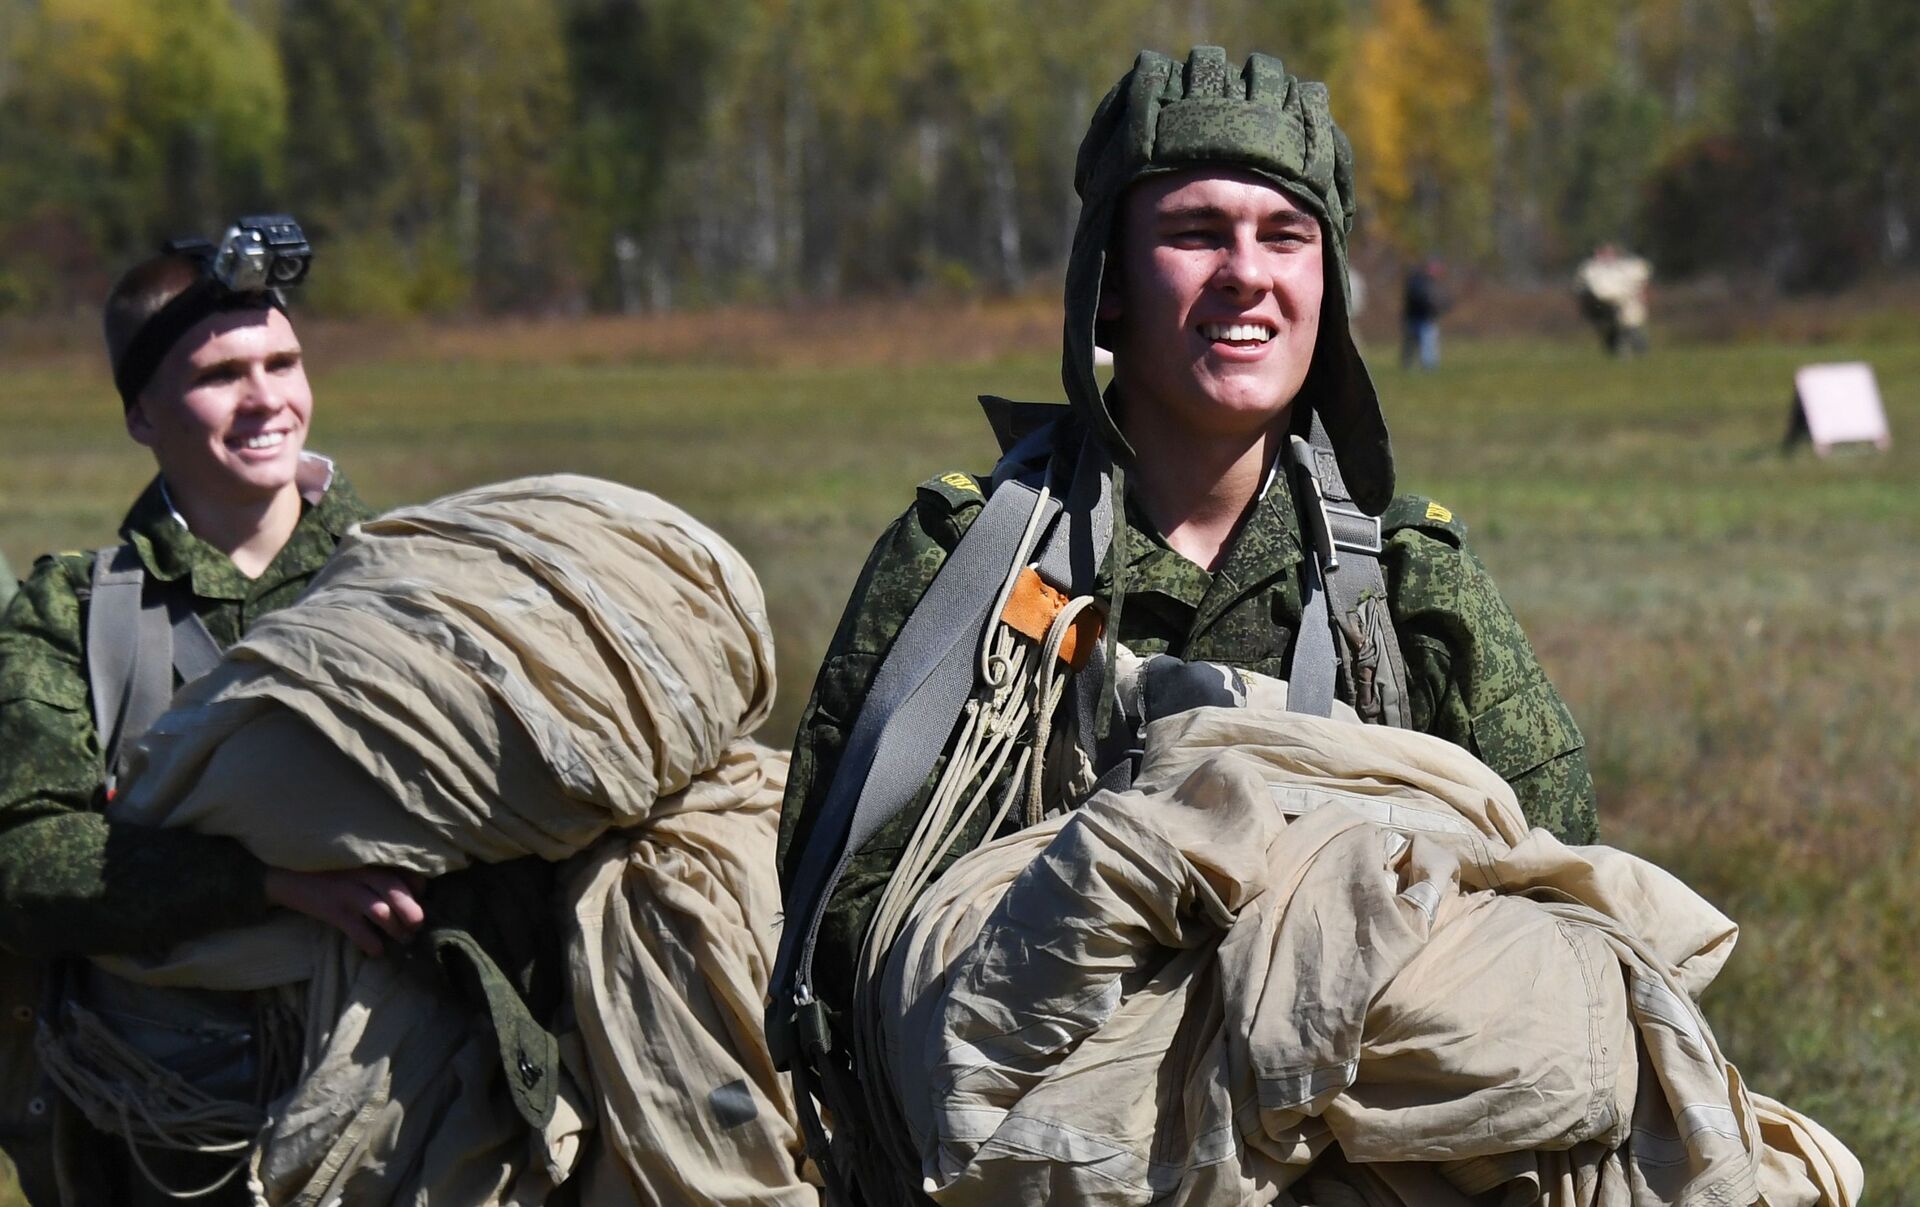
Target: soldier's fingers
378,911
394,907
361,933
407,911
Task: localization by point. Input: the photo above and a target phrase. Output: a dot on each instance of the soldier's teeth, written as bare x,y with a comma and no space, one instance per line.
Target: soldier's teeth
265,440
1237,332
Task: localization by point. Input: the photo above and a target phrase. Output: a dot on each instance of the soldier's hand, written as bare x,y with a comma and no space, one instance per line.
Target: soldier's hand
367,905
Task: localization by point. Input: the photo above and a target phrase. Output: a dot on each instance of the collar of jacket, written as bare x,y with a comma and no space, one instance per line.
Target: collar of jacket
1266,546
170,552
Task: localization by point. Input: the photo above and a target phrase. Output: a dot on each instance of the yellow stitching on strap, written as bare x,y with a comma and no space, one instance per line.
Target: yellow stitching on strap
960,482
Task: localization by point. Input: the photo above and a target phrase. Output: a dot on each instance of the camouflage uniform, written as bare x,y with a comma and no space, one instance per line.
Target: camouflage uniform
1472,676
70,883
8,584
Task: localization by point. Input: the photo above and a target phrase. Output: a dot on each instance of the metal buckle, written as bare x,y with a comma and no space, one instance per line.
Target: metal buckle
1354,530
1316,525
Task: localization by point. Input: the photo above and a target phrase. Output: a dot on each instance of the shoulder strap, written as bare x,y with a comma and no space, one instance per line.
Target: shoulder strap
137,641
1310,676
916,697
129,653
926,679
1344,596
195,652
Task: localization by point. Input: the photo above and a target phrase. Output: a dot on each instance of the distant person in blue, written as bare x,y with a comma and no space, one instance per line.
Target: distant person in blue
1421,306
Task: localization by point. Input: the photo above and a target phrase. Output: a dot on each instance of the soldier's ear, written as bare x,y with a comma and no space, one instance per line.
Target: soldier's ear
139,425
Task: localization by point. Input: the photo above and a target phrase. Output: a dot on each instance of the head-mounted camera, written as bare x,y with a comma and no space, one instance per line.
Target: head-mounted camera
267,251
254,261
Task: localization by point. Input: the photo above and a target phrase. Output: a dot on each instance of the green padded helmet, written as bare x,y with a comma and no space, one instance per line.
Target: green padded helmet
1162,117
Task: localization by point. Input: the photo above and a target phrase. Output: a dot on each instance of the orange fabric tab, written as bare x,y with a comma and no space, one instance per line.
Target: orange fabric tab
1030,611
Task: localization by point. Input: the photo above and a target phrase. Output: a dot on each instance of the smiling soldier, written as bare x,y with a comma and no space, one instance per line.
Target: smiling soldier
237,521
1227,504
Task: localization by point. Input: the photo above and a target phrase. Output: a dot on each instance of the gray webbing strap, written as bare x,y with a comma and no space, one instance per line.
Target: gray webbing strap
1335,586
1310,677
909,714
137,640
129,678
195,652
1086,534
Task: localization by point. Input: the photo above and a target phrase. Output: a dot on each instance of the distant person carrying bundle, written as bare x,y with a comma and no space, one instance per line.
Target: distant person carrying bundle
1227,508
1611,286
236,523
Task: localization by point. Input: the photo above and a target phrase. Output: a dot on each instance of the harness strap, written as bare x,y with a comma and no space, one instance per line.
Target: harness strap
195,652
1310,677
1344,597
909,714
139,636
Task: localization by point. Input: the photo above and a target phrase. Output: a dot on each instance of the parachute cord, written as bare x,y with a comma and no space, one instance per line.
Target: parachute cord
1117,589
121,1090
980,751
993,669
1049,685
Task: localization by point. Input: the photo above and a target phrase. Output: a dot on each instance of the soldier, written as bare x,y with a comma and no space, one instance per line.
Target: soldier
1611,286
8,583
236,522
1211,258
1422,302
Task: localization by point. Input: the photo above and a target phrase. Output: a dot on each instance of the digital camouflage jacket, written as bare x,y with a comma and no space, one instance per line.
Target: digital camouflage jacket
1472,676
70,883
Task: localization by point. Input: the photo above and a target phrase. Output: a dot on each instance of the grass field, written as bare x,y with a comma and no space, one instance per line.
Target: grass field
1737,630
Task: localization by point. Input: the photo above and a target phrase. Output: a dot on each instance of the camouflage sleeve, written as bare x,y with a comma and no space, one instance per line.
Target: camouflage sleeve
1474,679
71,882
897,573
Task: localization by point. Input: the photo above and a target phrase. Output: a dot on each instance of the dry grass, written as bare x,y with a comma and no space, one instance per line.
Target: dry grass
1736,630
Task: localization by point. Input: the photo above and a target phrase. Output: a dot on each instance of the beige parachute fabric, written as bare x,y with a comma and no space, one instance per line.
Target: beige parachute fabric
519,667
1619,281
1384,990
400,1100
675,931
559,667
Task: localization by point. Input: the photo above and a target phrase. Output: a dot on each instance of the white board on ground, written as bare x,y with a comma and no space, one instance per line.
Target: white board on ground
1838,404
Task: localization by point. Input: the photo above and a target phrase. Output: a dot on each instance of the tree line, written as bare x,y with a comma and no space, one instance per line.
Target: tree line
555,155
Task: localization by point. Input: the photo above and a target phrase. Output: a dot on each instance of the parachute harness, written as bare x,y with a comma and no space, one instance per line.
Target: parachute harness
1008,720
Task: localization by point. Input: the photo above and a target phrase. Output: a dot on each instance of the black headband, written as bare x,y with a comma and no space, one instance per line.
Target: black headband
157,336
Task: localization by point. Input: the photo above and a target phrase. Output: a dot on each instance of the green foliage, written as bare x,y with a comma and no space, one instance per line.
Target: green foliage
1847,112
129,123
533,155
1616,137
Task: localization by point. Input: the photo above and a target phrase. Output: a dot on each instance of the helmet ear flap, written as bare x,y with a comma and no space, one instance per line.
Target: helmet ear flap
1108,308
